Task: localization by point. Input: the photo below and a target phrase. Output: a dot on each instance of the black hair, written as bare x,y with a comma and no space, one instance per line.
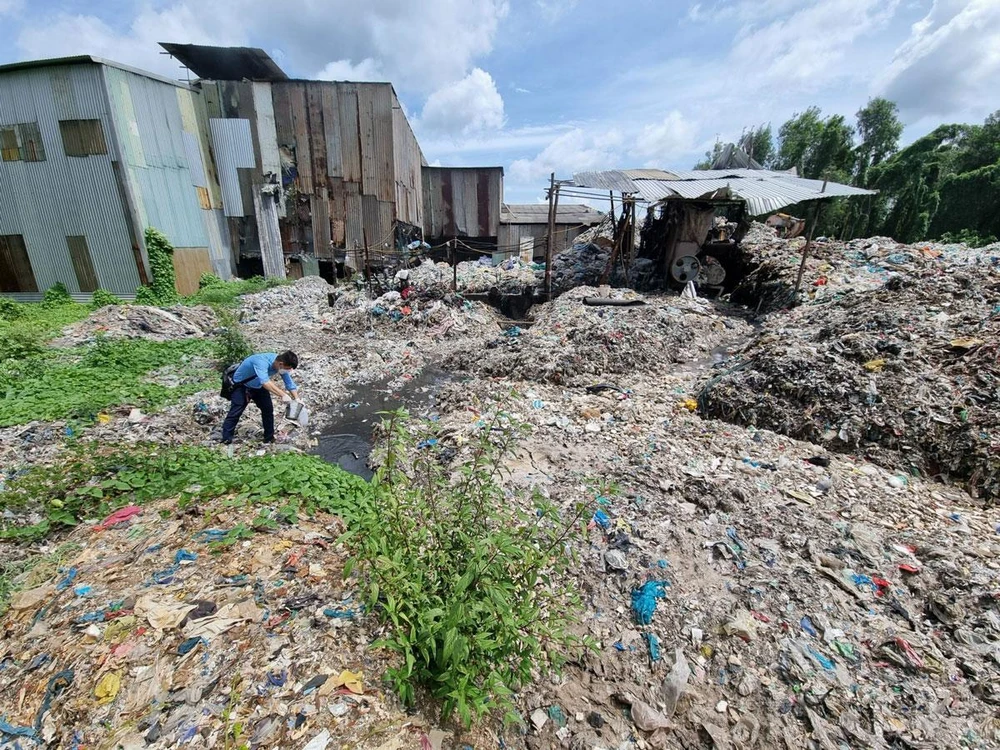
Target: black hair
289,358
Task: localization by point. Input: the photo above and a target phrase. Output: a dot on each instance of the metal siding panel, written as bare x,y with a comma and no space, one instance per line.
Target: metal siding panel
366,127
192,149
350,143
316,134
385,188
267,134
64,196
331,130
233,150
217,230
354,223
300,126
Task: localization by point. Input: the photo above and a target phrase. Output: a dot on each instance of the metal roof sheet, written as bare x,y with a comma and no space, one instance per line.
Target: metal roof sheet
763,190
538,213
88,59
226,63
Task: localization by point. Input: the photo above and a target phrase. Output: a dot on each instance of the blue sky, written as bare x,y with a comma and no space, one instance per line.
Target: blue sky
563,85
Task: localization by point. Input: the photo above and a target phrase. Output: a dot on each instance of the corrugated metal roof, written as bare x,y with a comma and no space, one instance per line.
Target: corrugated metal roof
764,191
85,59
233,146
538,213
226,63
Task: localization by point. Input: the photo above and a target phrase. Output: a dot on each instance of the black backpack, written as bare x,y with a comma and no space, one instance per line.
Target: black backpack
228,384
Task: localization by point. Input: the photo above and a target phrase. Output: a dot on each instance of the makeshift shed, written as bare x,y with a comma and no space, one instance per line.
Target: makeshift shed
524,227
695,219
462,202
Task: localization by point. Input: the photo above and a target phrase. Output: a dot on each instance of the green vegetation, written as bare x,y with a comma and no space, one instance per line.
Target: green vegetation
216,293
56,296
24,328
163,288
104,298
231,346
468,577
79,383
92,481
944,185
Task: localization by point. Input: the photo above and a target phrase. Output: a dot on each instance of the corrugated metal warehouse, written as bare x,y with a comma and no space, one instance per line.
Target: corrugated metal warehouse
524,227
462,202
93,153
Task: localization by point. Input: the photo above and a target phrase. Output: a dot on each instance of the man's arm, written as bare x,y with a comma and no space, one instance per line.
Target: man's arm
290,385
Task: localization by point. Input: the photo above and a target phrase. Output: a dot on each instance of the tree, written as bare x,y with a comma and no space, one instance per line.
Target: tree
758,143
710,156
818,148
879,129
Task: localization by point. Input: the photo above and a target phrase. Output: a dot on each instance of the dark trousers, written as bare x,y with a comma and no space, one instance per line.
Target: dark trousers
241,397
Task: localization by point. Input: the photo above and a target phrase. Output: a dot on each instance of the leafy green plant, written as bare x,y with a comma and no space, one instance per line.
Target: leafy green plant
231,346
20,342
220,294
56,295
163,288
79,383
104,298
93,481
465,573
969,237
11,310
207,280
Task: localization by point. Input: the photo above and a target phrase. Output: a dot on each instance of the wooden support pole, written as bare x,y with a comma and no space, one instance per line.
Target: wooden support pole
549,236
368,265
454,264
808,245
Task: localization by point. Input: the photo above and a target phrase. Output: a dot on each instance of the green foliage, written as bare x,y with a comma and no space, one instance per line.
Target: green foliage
104,298
163,289
819,148
969,237
24,328
467,575
92,482
227,293
207,280
231,346
879,129
758,143
71,385
711,156
56,295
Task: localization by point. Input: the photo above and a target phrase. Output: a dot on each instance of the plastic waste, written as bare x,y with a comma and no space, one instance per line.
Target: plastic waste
675,683
644,600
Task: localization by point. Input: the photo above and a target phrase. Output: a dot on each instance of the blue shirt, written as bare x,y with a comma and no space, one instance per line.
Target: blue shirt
261,367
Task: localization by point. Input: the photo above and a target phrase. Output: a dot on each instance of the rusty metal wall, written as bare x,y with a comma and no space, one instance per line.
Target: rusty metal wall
462,201
509,238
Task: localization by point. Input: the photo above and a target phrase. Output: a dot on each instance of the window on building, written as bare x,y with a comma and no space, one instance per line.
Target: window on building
79,253
82,137
21,142
15,266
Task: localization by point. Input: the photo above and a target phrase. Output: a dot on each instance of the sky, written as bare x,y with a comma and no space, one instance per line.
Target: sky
537,86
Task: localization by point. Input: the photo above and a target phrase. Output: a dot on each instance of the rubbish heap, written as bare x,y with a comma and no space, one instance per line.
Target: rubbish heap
569,340
448,316
583,264
905,374
141,321
834,267
475,277
306,301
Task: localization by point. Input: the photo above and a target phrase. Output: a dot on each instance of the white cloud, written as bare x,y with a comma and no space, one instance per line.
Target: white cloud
419,46
663,141
10,7
553,10
466,107
808,46
950,63
576,150
344,70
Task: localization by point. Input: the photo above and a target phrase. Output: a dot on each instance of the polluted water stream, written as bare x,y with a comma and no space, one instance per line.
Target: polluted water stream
346,439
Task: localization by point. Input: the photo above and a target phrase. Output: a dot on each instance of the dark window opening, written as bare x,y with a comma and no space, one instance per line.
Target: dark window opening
15,266
82,263
82,137
21,142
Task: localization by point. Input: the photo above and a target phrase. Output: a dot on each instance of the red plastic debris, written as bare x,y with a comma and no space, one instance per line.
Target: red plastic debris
821,281
119,516
909,568
912,656
883,585
760,616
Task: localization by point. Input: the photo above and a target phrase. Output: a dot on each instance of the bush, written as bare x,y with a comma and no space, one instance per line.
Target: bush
969,237
56,295
11,310
162,290
104,298
467,576
231,346
227,293
207,280
20,342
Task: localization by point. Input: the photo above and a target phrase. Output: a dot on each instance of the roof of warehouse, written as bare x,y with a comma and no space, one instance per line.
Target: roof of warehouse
764,191
538,213
226,63
90,59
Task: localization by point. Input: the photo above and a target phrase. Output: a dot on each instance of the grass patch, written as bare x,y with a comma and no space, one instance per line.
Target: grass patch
80,382
25,327
92,481
217,293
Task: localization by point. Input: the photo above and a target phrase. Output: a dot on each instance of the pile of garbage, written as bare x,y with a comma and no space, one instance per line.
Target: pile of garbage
511,276
448,316
747,591
906,374
834,267
623,332
306,301
140,321
152,629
